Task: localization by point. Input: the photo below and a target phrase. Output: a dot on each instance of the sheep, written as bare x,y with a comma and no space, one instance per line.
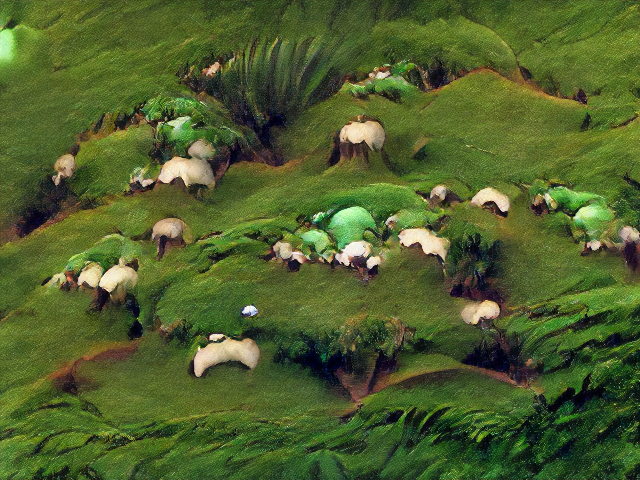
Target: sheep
357,138
441,194
248,311
115,284
631,248
65,166
138,182
169,230
474,312
283,250
293,258
201,150
245,351
90,275
192,171
430,243
370,132
372,264
353,251
392,221
297,259
629,234
214,337
498,202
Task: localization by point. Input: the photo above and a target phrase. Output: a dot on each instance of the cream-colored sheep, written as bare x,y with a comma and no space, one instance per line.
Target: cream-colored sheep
373,262
171,228
90,275
65,166
353,250
202,150
118,280
629,234
438,194
474,312
491,195
430,243
298,257
245,351
168,231
283,250
370,132
192,171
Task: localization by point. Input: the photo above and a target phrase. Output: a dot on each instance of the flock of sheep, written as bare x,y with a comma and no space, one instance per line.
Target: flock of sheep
338,238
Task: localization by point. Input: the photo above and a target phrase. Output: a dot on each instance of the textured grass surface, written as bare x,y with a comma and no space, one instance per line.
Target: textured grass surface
142,416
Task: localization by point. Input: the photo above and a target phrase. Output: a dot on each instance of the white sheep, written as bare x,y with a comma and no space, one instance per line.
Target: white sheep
474,312
214,337
245,351
90,275
65,166
192,171
168,230
631,246
138,177
283,250
490,195
360,249
440,194
369,132
202,150
373,262
629,234
248,311
430,243
115,284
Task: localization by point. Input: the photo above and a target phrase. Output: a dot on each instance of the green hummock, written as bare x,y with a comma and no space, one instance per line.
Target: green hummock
349,225
594,220
107,252
416,218
318,239
568,201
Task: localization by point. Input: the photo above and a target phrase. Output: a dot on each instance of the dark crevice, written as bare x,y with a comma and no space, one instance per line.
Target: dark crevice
48,201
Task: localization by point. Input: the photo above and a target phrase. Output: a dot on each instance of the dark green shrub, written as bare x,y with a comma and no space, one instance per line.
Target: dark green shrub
270,83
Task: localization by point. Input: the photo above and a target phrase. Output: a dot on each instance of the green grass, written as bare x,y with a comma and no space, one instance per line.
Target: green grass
104,166
143,416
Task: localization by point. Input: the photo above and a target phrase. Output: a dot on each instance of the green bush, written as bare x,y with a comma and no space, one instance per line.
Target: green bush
270,83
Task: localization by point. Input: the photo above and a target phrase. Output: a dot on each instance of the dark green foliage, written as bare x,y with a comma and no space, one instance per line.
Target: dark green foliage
269,83
473,255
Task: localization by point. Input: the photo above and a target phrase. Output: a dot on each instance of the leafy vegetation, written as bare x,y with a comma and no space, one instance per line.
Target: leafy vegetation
268,84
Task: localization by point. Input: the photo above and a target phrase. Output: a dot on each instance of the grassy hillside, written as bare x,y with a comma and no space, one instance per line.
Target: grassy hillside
359,376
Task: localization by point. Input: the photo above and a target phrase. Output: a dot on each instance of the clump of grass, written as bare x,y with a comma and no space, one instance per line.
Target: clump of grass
270,83
472,260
